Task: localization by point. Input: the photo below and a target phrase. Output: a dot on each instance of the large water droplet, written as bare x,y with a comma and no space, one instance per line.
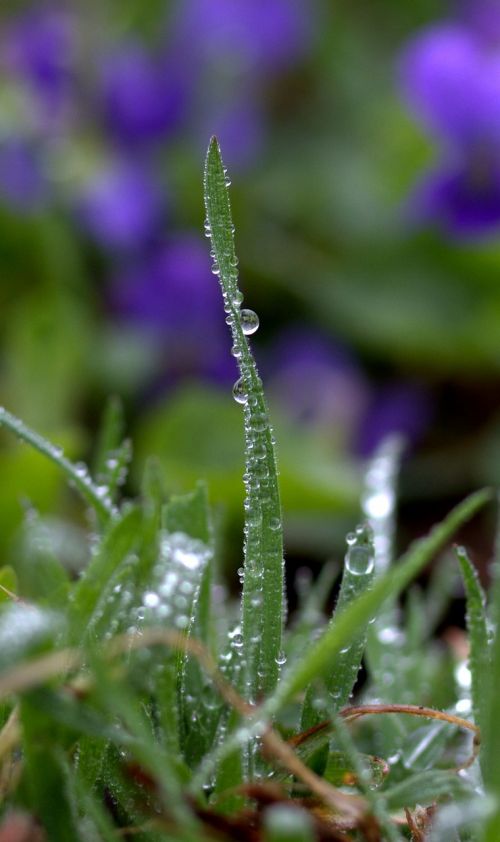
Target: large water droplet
360,554
249,322
240,394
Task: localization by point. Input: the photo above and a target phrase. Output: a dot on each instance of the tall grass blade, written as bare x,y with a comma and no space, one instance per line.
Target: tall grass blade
262,599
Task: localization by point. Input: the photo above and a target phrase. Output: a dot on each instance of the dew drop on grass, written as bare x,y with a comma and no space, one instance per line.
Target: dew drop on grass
359,560
239,392
249,322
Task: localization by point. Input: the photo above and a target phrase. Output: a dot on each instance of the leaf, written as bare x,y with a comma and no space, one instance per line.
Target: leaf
78,476
121,539
339,633
479,653
198,699
357,613
426,788
339,769
262,599
8,583
342,669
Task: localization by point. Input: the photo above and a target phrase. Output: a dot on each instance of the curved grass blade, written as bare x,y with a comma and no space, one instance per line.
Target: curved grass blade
78,477
342,670
479,654
262,599
359,612
339,633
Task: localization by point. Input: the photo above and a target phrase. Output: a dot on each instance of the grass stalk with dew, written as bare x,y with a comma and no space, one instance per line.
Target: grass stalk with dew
128,707
262,597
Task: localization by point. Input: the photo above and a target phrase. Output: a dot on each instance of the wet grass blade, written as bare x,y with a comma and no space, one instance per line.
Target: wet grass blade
342,670
339,633
79,477
262,599
490,738
198,698
120,540
479,655
390,585
426,788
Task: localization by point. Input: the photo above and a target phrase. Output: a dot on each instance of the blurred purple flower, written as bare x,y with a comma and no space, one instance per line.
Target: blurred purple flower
256,35
396,408
172,295
317,382
122,206
39,47
143,97
450,76
22,185
239,126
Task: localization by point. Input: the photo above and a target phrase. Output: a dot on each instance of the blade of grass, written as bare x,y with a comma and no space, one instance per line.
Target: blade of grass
339,633
490,749
262,599
359,612
342,670
110,435
479,654
79,477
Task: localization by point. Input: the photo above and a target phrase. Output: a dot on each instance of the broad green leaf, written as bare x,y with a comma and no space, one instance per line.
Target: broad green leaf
479,652
262,599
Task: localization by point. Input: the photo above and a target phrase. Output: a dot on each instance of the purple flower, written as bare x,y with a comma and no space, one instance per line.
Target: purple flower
22,184
316,381
172,295
450,76
239,126
143,97
396,408
121,207
39,47
257,35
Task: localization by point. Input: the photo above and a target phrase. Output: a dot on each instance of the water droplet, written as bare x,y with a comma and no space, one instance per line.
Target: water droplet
359,560
249,322
274,524
280,658
151,599
240,394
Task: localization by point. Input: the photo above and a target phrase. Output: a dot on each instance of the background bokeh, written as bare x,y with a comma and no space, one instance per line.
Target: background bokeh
362,141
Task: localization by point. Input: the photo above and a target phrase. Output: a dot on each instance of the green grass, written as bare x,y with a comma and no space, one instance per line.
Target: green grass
130,703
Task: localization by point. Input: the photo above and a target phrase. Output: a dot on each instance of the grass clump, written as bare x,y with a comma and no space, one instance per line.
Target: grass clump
130,706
